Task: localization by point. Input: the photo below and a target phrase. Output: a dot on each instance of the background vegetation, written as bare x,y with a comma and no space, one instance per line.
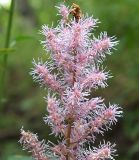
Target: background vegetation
23,105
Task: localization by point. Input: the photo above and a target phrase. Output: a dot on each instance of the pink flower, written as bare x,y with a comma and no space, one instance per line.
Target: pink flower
55,117
94,78
90,106
63,11
42,74
104,151
102,45
89,23
104,118
51,40
73,71
30,142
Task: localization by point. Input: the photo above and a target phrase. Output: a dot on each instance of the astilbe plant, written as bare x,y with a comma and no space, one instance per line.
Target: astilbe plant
74,68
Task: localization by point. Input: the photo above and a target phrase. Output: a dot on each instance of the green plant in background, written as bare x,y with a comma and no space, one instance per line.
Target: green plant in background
6,52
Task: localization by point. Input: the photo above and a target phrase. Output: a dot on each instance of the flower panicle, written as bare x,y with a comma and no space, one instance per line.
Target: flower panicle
55,117
31,143
42,74
104,118
95,78
102,46
105,151
73,70
64,12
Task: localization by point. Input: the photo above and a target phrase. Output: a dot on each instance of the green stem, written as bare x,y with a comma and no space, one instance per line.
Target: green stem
9,26
7,42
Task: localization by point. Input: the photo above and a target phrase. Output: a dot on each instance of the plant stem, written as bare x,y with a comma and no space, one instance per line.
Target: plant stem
7,42
70,120
68,136
76,14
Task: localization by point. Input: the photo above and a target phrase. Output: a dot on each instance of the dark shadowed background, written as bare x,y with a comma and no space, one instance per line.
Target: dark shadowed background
23,103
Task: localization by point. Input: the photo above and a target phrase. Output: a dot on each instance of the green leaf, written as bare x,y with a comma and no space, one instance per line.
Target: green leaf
18,157
134,149
24,37
6,50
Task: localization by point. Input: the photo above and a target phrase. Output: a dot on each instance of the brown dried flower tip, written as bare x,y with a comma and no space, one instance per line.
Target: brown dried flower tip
76,11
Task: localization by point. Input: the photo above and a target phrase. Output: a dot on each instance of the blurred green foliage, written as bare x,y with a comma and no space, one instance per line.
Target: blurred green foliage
24,105
19,158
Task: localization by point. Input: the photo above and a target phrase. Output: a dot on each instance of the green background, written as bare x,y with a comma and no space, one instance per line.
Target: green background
24,104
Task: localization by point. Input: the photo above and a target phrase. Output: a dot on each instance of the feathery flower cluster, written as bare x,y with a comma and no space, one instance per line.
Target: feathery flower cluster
30,141
74,69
